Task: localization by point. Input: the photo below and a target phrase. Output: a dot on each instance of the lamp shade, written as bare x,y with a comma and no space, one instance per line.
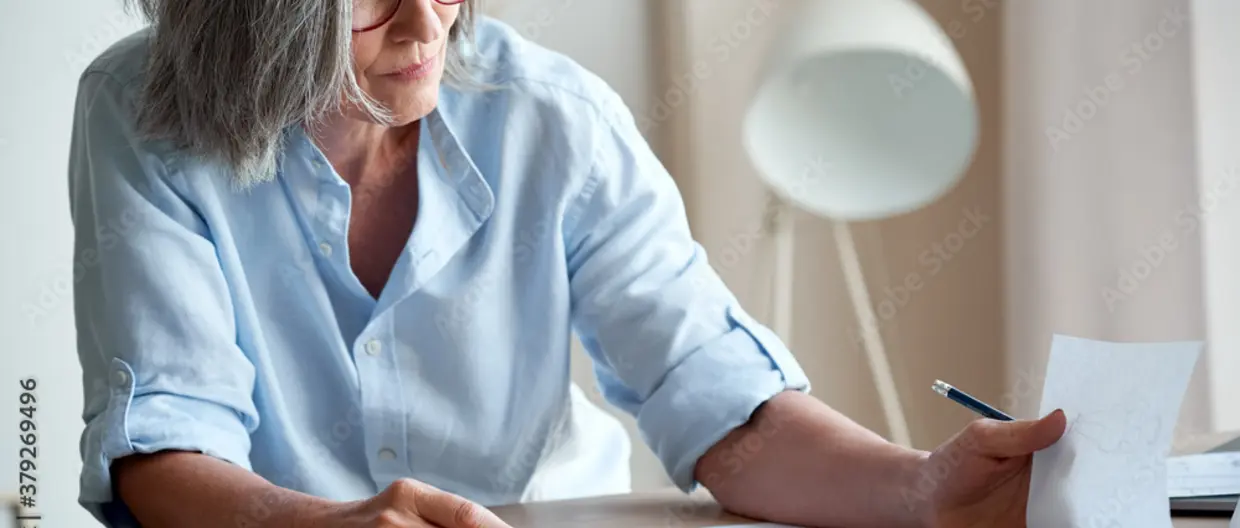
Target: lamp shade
867,110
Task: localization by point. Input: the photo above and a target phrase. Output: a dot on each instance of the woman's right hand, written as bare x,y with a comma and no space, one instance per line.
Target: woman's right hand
408,503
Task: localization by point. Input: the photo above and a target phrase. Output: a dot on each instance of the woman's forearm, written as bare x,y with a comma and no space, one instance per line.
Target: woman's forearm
191,490
799,462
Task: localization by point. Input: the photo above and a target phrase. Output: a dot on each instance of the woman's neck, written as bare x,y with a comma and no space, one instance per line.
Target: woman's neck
361,150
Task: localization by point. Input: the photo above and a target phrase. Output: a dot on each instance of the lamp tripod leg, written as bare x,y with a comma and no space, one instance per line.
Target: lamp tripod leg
784,240
872,340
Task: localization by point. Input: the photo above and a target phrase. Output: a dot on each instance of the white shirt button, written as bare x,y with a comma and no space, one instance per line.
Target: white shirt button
121,377
387,454
374,347
325,249
318,163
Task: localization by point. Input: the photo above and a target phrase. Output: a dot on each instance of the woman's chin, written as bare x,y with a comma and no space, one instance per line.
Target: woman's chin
407,110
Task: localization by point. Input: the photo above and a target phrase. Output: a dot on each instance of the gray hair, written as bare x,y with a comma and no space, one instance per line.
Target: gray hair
225,78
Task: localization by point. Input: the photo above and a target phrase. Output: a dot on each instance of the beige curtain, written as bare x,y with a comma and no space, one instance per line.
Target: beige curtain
1102,234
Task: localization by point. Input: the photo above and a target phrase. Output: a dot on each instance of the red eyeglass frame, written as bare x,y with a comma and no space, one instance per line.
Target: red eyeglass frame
392,15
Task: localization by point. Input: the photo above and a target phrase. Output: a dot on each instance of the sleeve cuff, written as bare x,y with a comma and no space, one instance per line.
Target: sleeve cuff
146,424
715,390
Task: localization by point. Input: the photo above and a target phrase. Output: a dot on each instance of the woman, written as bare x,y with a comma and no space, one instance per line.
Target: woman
360,234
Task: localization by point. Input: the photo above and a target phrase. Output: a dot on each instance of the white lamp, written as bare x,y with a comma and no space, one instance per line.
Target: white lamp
867,112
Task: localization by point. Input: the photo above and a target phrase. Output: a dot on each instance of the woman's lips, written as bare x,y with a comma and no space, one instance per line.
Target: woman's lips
416,72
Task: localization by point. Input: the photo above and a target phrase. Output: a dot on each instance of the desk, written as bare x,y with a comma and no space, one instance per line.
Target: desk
663,510
673,509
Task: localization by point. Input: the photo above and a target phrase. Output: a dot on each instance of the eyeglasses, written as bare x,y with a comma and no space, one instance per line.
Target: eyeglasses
373,14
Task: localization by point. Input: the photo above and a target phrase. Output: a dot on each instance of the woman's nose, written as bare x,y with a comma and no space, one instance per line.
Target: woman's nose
417,21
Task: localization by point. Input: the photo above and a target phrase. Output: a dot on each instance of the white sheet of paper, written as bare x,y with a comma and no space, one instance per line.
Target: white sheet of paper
1203,475
1122,401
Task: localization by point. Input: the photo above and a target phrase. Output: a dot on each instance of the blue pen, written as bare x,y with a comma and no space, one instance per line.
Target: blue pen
972,403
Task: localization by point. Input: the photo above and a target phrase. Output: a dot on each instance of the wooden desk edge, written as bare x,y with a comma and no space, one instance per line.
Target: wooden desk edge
675,509
669,508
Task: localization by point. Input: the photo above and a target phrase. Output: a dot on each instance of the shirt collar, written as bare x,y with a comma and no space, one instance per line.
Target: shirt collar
455,165
455,199
439,132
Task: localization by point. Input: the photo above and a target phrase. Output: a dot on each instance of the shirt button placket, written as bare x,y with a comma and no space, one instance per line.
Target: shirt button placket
330,216
388,420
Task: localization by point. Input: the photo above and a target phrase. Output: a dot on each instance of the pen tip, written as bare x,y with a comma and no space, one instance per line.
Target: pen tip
941,387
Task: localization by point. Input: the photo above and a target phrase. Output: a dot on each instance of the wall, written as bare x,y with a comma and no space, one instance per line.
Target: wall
950,329
36,279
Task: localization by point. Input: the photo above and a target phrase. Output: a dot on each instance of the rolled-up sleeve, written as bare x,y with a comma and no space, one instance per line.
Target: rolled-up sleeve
670,343
155,326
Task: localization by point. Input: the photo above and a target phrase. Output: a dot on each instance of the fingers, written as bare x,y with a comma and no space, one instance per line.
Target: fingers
444,509
1019,438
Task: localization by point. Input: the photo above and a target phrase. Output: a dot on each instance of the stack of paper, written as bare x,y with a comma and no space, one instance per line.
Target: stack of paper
1122,401
1204,475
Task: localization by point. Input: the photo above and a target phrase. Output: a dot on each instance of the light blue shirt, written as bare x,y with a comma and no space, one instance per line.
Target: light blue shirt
229,322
